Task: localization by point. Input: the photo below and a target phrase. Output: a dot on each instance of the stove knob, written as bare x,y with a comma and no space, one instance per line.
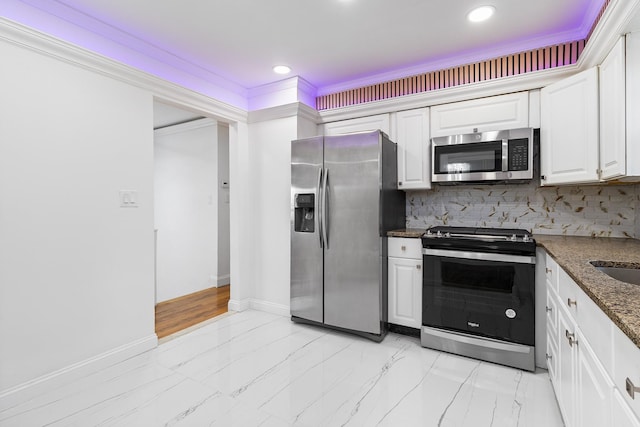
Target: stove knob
429,233
439,233
447,234
514,238
525,238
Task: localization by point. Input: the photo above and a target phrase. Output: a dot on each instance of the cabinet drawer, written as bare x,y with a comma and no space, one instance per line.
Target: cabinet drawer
551,311
626,366
402,247
551,272
568,291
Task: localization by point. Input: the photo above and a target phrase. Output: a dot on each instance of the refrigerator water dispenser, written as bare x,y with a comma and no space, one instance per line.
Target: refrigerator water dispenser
304,213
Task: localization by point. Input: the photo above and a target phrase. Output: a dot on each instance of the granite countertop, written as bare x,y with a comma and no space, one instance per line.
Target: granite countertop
618,300
414,233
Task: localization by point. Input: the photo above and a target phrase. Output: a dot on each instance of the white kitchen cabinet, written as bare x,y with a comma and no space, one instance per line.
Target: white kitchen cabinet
500,112
569,130
621,414
360,124
410,130
612,113
405,281
588,357
594,388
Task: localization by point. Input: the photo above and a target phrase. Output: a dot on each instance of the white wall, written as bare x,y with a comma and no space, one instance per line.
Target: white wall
271,142
271,213
186,208
76,269
223,205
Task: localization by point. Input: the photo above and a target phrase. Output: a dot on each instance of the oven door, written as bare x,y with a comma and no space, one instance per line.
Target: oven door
484,294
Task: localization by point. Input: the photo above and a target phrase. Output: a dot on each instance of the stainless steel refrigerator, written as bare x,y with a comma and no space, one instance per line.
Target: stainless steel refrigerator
344,199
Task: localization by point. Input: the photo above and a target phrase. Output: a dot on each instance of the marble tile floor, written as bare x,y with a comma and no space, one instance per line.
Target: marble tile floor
257,369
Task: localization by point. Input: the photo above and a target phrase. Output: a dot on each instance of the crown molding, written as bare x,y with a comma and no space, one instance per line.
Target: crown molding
36,41
184,127
612,25
522,82
294,109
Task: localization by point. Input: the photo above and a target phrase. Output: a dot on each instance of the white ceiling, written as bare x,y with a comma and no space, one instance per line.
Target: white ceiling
335,44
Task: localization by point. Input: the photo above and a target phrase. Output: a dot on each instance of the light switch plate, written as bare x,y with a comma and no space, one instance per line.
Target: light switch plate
128,199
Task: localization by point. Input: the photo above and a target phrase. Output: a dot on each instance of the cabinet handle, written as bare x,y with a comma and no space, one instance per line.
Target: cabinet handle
419,267
632,389
548,356
400,184
571,302
403,248
571,337
543,177
549,309
548,270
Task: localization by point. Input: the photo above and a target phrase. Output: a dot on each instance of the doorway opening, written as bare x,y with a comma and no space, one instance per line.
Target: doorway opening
191,215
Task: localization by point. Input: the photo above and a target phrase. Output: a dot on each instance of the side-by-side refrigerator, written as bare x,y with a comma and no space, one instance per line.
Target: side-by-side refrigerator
344,199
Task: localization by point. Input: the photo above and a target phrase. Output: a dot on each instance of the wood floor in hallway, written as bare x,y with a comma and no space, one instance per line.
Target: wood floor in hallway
180,313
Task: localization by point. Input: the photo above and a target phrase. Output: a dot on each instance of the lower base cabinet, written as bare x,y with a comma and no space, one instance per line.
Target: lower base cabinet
582,378
405,282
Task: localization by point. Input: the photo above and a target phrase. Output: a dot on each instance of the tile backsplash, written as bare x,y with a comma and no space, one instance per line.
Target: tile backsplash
589,210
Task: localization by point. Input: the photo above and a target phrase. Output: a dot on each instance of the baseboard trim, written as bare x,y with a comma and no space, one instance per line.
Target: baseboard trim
260,305
270,307
238,305
30,389
223,280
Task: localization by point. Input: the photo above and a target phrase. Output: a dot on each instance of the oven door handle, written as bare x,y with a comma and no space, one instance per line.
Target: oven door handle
482,256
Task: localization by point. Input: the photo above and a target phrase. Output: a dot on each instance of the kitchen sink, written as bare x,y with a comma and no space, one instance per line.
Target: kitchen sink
624,274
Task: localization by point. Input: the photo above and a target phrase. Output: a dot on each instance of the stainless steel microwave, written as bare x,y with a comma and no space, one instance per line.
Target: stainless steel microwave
484,156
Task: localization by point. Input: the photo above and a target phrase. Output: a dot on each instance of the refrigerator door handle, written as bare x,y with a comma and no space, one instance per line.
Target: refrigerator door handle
319,207
325,208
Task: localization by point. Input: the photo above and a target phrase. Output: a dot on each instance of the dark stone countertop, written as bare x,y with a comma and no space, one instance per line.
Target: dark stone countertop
620,301
413,233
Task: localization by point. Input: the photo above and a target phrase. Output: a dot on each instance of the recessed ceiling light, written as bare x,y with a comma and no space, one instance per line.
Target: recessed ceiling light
281,69
481,13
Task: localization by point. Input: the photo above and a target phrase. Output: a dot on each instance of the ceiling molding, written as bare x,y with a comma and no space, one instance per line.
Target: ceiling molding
612,25
25,37
522,82
184,127
297,109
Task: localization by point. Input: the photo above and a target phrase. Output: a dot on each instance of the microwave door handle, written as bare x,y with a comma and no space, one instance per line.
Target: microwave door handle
505,155
319,216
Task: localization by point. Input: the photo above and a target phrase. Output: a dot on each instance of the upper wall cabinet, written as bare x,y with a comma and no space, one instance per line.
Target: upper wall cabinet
590,131
619,111
612,113
410,130
569,130
361,124
501,112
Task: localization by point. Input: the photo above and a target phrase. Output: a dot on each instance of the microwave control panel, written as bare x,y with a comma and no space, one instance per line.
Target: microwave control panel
518,154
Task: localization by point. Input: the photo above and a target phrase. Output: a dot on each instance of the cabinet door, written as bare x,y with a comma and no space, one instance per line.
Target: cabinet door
621,415
612,113
569,130
361,124
594,388
565,376
480,115
405,292
411,133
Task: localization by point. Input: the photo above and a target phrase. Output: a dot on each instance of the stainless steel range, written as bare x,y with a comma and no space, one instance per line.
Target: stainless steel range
478,294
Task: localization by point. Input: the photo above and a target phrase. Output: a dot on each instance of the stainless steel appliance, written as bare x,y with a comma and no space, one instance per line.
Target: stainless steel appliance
486,156
478,294
344,199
